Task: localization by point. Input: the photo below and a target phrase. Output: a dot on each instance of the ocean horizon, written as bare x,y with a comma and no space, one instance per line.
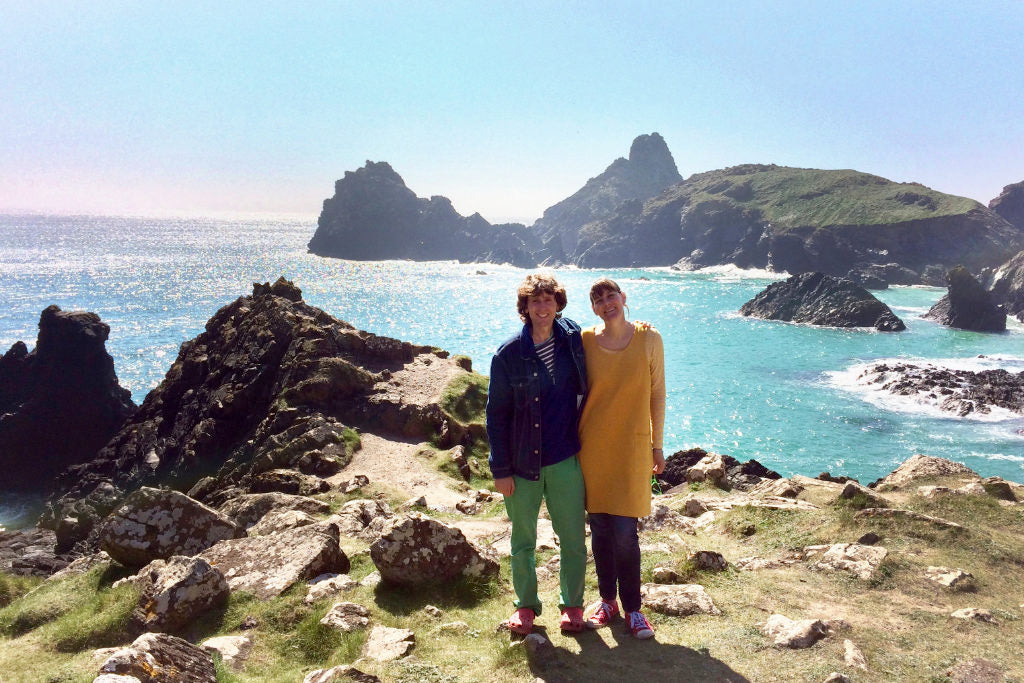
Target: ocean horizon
785,394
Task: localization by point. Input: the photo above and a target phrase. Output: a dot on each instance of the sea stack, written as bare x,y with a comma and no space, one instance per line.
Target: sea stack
967,306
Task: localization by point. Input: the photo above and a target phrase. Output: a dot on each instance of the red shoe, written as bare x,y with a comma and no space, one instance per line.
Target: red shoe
572,620
521,621
639,626
602,613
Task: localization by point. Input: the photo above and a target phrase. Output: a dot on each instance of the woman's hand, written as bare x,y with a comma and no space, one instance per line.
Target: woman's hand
507,485
659,461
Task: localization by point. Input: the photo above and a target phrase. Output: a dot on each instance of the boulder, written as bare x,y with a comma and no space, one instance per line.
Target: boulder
59,403
347,617
998,488
288,481
415,550
860,560
247,510
31,552
1008,286
354,484
694,507
678,600
233,650
779,488
162,658
266,566
710,468
156,524
708,560
852,491
364,517
853,657
919,467
974,613
836,677
326,585
281,520
741,476
339,673
785,632
967,306
954,579
176,591
386,644
820,299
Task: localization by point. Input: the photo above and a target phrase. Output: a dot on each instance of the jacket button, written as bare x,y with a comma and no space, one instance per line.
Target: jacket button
536,399
535,374
536,451
537,425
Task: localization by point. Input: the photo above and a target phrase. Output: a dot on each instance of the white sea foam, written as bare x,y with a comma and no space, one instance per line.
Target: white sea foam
729,272
862,380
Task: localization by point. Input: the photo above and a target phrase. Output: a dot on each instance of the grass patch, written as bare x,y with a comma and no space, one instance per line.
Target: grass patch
351,439
465,397
775,529
13,587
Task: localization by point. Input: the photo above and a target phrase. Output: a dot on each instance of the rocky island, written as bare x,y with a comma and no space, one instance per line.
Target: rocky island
640,212
300,500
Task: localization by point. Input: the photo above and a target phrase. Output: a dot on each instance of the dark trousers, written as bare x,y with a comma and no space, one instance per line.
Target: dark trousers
616,547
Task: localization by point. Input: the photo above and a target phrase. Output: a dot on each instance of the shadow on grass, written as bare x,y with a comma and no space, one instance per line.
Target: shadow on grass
463,593
630,659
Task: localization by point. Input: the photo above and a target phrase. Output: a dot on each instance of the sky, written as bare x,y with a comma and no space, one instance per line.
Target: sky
143,107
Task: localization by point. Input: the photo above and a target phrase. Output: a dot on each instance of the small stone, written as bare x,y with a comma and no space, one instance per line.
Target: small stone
708,560
836,677
998,488
469,507
968,613
537,645
433,612
860,560
933,491
326,585
354,484
972,489
370,580
853,657
335,673
694,507
417,502
955,579
233,650
386,644
976,671
347,617
870,538
786,632
454,628
678,600
664,575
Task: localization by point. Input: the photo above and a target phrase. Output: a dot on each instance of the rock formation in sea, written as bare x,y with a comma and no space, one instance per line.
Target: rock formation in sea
1010,204
59,403
374,216
649,169
272,383
798,220
1008,286
967,306
821,299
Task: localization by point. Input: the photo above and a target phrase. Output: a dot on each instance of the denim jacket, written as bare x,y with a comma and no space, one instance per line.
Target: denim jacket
514,404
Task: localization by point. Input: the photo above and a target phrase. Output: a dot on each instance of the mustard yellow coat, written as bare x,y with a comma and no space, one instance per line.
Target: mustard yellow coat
623,419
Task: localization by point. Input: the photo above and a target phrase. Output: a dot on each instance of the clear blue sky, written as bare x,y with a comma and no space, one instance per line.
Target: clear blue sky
504,107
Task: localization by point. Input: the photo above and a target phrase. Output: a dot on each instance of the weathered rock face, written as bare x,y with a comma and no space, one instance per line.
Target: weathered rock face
268,565
374,216
161,658
387,644
1010,204
156,524
967,306
1008,286
649,169
271,384
679,600
175,592
60,403
741,476
31,552
820,299
248,509
415,550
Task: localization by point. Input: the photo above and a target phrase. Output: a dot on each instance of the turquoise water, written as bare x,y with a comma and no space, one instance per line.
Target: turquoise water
781,393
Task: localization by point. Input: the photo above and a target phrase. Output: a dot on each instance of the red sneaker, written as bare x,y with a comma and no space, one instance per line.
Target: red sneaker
639,626
602,613
572,620
521,621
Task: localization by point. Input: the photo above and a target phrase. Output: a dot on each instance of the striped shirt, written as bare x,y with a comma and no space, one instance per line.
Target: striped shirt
546,351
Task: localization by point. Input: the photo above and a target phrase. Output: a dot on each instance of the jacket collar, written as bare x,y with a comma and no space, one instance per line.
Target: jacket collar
560,328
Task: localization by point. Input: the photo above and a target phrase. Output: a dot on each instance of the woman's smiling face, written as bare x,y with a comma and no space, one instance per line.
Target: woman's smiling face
608,304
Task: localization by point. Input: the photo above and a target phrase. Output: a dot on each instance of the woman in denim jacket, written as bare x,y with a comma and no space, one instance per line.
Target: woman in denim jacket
538,384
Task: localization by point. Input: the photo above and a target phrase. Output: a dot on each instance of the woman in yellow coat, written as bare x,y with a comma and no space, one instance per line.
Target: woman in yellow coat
621,437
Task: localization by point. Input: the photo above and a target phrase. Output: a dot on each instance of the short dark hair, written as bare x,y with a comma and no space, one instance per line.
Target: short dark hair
539,283
602,285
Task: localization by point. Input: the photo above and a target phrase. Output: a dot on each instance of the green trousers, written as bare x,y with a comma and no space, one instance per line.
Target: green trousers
561,486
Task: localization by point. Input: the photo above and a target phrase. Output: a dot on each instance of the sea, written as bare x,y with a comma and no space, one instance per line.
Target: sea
788,395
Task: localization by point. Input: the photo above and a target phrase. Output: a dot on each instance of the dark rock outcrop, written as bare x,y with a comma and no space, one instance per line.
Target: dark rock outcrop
1008,286
31,552
415,550
272,383
1010,204
59,403
741,476
374,216
821,299
649,169
967,306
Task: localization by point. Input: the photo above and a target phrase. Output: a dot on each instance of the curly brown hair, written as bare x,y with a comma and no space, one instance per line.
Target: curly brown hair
539,283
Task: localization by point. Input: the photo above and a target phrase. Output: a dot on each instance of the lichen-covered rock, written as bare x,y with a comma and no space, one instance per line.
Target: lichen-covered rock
338,673
853,491
919,467
82,565
176,591
247,510
678,600
162,658
233,650
156,524
288,481
268,565
820,299
364,517
414,550
708,560
386,644
281,520
347,617
326,585
786,632
860,560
